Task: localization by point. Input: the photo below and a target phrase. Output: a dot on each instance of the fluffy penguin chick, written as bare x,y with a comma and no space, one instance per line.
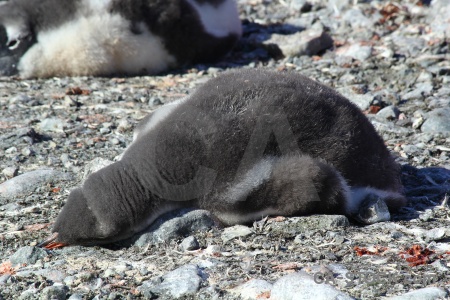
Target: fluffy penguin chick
91,37
244,145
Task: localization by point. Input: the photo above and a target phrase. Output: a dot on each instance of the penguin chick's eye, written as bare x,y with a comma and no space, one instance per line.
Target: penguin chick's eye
13,44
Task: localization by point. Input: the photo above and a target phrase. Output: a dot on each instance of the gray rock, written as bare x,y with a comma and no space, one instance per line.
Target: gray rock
30,294
308,42
292,226
438,120
428,293
176,284
389,113
28,182
253,289
10,171
363,101
27,255
235,231
435,234
52,125
189,243
421,90
76,297
356,19
55,292
355,51
174,225
51,274
373,210
300,285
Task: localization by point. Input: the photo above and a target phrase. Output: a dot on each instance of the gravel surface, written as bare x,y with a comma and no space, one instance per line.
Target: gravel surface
391,58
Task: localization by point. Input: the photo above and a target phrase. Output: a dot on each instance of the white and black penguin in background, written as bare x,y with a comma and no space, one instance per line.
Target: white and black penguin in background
106,37
244,145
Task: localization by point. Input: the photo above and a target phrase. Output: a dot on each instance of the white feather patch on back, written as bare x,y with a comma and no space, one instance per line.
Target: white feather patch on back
219,21
98,44
159,115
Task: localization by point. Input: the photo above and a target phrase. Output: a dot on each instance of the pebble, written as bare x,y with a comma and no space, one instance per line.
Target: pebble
253,289
175,225
388,113
300,285
10,171
56,292
29,181
437,121
307,42
363,101
236,231
190,243
27,255
176,284
52,125
355,51
428,293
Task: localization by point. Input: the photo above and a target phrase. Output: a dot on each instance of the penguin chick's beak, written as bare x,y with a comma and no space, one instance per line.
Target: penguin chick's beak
49,243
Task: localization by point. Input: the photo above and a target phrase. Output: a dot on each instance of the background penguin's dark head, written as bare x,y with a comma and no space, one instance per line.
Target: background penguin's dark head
77,225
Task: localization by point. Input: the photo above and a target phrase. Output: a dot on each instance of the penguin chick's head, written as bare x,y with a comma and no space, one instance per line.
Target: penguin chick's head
78,225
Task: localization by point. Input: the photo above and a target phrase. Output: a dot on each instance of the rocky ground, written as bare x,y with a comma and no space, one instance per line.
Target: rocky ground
391,58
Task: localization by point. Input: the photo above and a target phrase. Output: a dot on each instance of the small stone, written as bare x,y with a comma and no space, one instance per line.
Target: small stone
363,101
373,210
235,231
190,243
21,98
355,51
308,42
28,182
76,297
10,171
124,125
253,289
174,225
437,121
301,286
213,250
55,292
27,255
389,113
182,282
428,293
52,125
435,234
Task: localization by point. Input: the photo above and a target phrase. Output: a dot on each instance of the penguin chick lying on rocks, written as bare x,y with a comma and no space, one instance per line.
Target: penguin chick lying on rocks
92,37
244,145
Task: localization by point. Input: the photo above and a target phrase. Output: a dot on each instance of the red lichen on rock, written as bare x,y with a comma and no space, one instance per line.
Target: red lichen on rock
7,268
417,256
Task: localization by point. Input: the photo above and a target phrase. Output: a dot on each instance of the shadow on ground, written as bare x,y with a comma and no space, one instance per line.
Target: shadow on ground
424,188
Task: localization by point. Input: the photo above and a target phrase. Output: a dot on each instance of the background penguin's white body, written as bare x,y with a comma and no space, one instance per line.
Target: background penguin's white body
105,37
244,145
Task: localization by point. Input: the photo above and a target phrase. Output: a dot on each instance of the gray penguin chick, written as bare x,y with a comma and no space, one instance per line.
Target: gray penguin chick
244,145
